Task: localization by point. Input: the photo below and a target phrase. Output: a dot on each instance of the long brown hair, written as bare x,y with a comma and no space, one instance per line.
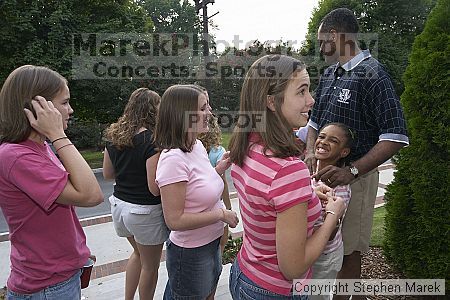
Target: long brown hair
268,76
140,111
171,130
22,85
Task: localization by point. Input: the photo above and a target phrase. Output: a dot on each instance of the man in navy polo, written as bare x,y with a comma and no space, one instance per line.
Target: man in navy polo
357,91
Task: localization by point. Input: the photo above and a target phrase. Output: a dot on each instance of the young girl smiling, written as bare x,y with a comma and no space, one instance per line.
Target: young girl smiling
332,147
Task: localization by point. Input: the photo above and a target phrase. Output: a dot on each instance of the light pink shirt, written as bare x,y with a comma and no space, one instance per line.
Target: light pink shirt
203,191
48,244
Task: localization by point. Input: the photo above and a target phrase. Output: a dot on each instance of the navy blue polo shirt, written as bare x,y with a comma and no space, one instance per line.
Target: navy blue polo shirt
360,94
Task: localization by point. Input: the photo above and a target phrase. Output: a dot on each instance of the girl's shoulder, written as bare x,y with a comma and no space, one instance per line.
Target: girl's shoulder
217,149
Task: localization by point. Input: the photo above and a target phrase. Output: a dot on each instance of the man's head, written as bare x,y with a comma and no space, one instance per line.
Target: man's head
337,34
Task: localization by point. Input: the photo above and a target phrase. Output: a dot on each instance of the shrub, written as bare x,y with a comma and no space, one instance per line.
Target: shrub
418,219
232,247
86,134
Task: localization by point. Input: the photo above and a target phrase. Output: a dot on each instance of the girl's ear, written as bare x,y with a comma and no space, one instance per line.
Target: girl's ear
345,152
271,102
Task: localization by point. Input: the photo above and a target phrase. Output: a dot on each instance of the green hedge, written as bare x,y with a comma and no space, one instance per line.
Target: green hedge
418,205
86,134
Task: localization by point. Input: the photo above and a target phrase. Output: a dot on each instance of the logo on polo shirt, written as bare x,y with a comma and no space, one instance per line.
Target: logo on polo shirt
344,96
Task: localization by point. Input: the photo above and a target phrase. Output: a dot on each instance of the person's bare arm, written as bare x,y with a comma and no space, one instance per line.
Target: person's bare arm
108,168
82,188
151,165
173,198
382,151
226,193
310,159
295,251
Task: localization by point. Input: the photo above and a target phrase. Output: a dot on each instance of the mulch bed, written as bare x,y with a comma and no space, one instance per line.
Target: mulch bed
374,266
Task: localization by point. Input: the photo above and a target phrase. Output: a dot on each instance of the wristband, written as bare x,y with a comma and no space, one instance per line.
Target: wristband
63,147
58,139
333,213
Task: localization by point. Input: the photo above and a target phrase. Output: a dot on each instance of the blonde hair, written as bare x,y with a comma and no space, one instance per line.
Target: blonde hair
212,138
268,76
140,111
22,85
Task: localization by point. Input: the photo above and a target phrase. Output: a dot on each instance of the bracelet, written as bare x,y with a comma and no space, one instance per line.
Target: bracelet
58,139
63,147
333,213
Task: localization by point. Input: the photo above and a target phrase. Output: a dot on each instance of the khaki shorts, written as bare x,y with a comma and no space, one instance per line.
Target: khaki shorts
143,222
357,225
326,267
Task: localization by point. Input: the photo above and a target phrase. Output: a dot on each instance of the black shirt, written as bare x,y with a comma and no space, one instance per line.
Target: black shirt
130,170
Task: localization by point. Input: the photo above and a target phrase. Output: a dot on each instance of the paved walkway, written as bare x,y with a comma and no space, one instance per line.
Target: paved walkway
112,253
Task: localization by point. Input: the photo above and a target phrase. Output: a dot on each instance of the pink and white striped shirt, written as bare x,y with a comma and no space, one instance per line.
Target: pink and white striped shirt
344,192
267,186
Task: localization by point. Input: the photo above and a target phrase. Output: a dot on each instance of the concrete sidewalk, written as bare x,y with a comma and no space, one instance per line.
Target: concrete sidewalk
108,277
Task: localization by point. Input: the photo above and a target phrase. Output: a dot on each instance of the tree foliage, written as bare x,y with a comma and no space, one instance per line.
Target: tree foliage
418,218
171,16
40,33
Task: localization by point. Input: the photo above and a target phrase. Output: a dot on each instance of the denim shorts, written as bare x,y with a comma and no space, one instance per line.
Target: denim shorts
143,222
242,287
69,289
193,272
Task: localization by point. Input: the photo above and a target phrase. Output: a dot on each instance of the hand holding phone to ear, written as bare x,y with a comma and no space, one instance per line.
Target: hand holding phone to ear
46,120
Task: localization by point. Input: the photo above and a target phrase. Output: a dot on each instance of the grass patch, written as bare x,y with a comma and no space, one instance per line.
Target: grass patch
226,139
93,158
378,227
231,249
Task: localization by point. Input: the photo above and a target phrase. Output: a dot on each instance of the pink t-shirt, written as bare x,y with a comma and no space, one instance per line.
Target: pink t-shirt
203,191
267,186
48,244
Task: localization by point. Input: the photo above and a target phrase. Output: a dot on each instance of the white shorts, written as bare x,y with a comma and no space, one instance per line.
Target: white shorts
326,267
143,222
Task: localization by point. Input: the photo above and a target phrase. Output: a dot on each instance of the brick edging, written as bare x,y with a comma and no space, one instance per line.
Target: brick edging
119,266
115,267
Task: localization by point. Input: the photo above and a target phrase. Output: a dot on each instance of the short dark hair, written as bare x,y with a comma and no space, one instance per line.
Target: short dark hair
343,20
